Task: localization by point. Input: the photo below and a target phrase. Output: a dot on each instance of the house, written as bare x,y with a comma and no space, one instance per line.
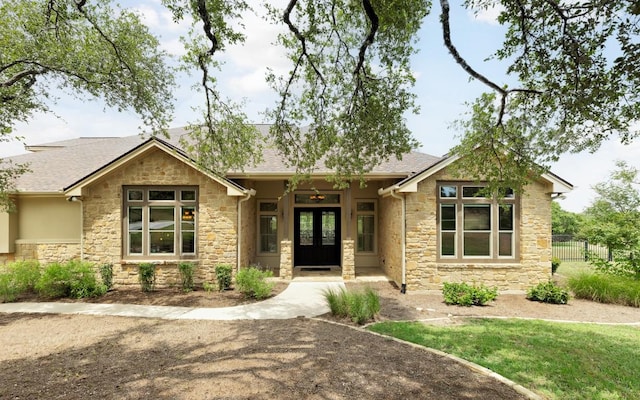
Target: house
129,200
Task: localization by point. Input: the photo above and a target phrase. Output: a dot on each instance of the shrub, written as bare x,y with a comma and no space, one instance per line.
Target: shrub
252,283
555,263
208,287
223,276
25,274
8,288
548,292
147,276
464,294
187,270
360,307
606,288
74,279
106,273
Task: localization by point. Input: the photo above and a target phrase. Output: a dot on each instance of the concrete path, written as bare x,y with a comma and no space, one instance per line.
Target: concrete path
298,299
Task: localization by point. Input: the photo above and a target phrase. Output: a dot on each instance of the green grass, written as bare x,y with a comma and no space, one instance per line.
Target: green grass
606,288
559,361
573,268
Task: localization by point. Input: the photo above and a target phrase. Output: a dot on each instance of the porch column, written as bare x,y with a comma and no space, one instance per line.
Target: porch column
348,260
286,259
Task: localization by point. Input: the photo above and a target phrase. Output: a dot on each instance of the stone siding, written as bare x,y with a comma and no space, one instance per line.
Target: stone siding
425,272
390,237
103,218
47,253
286,260
348,259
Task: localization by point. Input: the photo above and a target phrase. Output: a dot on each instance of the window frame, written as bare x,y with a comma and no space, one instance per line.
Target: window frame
178,205
273,213
373,213
461,202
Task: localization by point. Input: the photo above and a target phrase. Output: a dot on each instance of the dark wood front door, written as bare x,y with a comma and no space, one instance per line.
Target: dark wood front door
317,236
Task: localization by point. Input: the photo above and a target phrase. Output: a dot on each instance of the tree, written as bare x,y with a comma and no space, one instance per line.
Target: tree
564,222
85,48
613,220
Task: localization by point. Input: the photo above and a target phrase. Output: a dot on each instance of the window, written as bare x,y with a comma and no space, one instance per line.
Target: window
268,226
471,226
366,226
160,221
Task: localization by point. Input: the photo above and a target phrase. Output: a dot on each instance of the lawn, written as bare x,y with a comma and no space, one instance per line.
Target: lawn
557,360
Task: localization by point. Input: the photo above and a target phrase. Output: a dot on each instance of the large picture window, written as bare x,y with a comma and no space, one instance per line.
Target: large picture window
160,221
471,226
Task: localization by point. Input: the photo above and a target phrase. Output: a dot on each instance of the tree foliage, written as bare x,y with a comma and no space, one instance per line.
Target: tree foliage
564,222
613,219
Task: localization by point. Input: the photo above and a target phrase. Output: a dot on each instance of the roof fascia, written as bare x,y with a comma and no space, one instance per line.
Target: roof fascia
75,189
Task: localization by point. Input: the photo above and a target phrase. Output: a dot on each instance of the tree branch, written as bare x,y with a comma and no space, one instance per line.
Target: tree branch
204,16
373,18
17,77
287,20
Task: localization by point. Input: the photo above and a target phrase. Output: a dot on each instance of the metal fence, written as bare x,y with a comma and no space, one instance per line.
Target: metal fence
566,248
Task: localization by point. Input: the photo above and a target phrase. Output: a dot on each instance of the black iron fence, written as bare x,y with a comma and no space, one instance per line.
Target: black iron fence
566,248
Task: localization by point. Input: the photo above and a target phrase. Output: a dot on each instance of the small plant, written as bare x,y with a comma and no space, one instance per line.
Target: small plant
208,287
548,292
223,276
252,283
147,276
360,307
463,294
106,273
555,263
187,270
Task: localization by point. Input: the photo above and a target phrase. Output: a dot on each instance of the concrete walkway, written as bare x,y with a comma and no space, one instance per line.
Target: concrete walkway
298,299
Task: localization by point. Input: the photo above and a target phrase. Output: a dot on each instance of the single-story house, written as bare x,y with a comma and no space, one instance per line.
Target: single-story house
129,200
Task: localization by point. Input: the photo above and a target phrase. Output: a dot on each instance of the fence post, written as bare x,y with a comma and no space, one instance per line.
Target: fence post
586,250
609,254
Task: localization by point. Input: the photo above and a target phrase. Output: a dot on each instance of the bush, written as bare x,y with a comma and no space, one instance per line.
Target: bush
147,276
360,307
25,274
74,279
555,263
106,273
548,292
605,288
223,276
252,283
463,294
8,288
208,287
187,270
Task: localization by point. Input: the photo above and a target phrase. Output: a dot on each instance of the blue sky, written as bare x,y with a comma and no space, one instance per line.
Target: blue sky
442,88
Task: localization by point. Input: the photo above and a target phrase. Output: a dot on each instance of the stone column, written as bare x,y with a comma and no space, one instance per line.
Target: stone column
286,260
348,260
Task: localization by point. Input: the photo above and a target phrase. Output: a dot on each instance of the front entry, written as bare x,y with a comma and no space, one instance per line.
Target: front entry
317,236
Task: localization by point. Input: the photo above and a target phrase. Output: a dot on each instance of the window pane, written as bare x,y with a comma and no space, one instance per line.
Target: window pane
188,216
366,231
188,242
135,195
448,217
471,191
306,228
161,242
477,244
448,243
135,219
135,242
162,195
448,191
272,207
509,193
477,217
505,246
366,206
268,234
188,195
328,228
506,217
161,218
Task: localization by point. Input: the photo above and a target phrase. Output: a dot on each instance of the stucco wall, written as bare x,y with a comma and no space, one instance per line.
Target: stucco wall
216,220
390,237
48,218
532,267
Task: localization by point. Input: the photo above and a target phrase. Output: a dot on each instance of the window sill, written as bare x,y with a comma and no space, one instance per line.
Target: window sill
157,261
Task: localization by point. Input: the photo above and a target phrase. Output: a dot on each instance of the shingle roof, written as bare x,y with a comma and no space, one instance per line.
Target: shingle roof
69,161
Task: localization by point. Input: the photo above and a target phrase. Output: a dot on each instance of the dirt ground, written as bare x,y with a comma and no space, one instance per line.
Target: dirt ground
77,356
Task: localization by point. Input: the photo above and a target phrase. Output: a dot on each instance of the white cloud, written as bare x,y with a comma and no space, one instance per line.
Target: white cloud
488,15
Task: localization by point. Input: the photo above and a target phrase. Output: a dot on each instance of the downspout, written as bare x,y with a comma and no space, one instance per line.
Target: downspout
248,195
394,194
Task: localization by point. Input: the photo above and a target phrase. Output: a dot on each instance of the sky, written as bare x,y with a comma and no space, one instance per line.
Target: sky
442,89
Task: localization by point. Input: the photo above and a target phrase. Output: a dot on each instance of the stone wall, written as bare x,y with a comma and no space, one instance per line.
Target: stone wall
348,259
47,252
390,237
286,260
532,266
103,218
